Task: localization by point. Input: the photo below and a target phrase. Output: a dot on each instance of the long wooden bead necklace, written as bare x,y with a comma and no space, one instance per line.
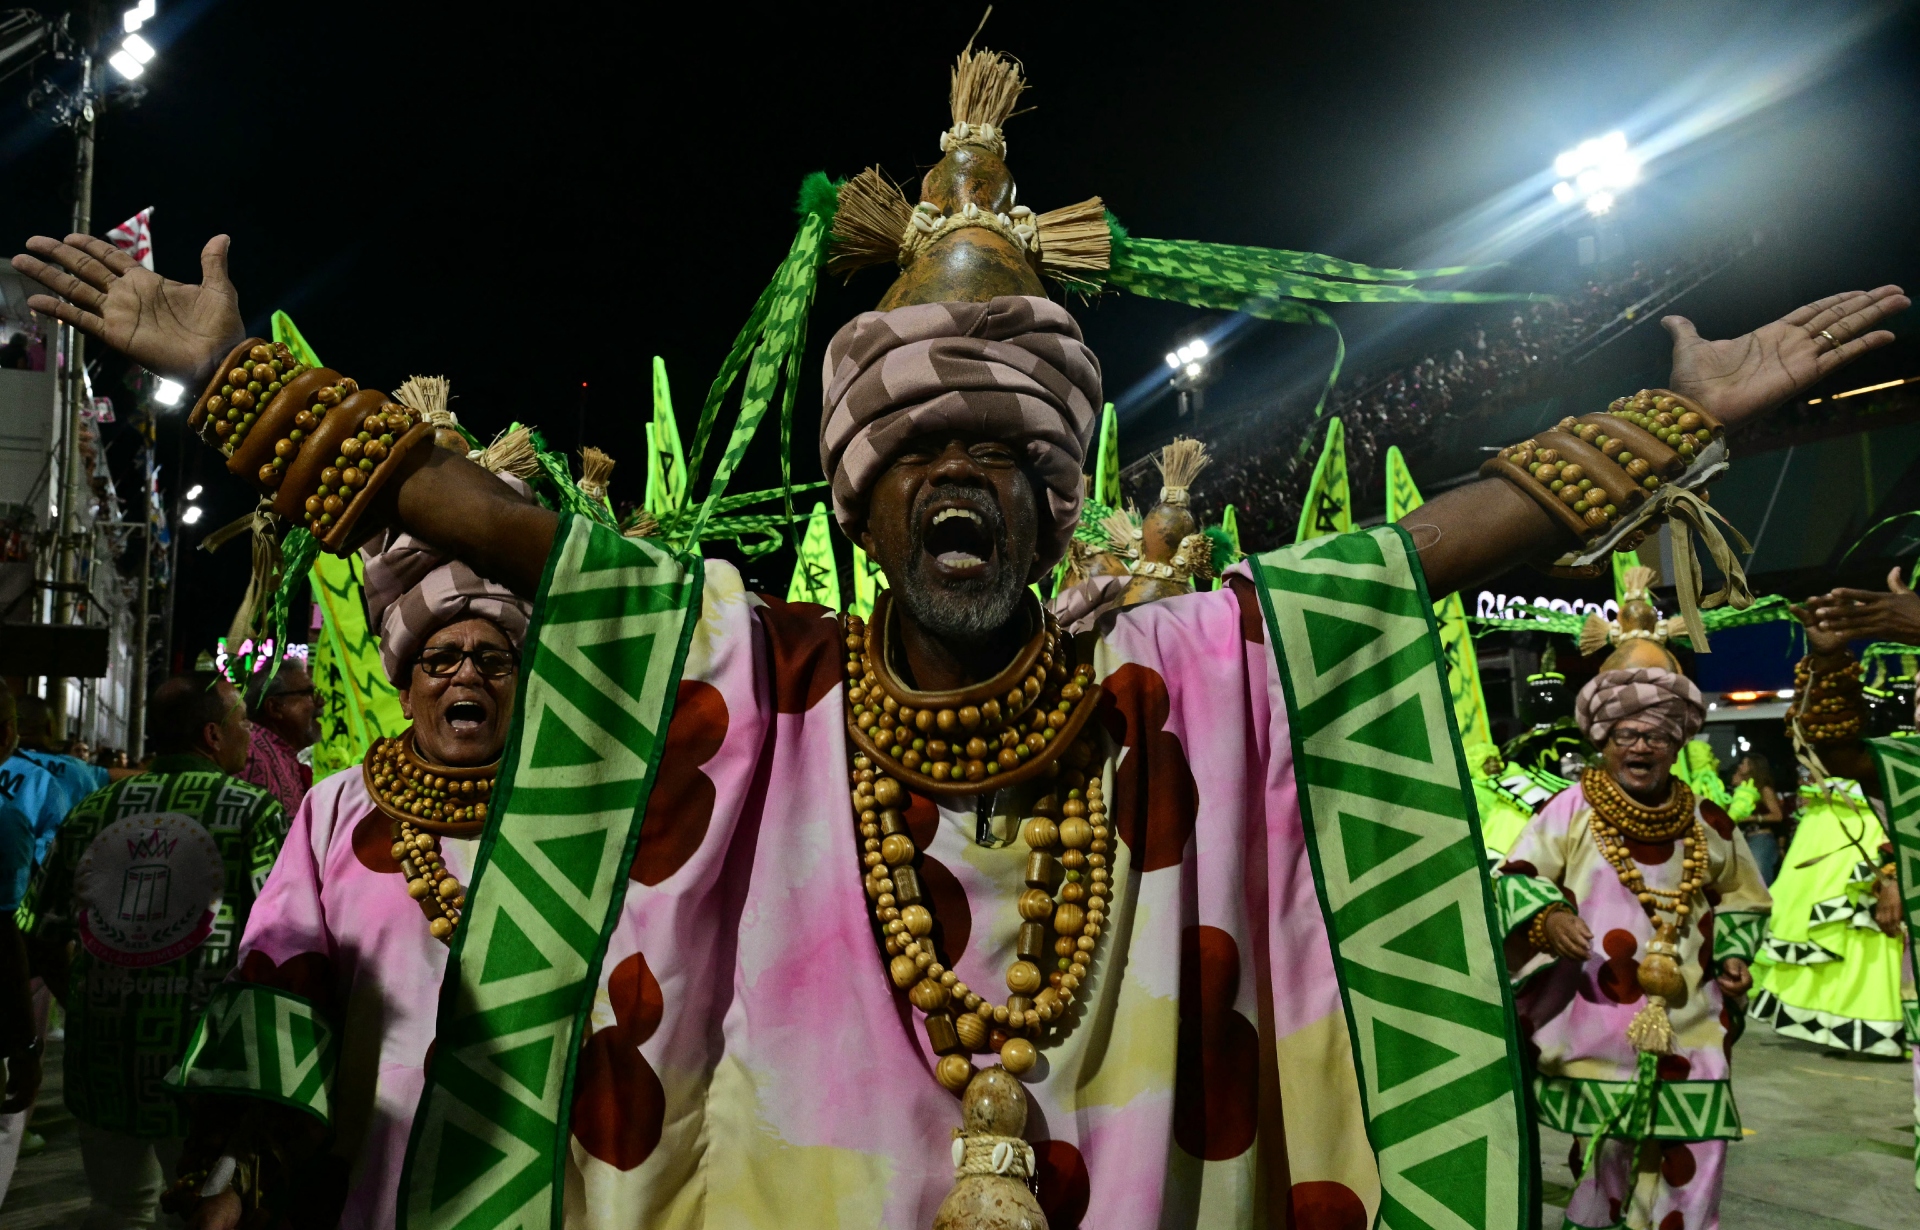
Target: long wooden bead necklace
427,802
1617,819
1068,884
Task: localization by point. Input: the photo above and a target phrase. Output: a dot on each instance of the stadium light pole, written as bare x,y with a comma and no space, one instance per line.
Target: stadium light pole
1189,364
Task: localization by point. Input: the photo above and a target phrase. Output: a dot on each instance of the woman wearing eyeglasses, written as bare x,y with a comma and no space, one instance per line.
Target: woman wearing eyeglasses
1632,910
350,935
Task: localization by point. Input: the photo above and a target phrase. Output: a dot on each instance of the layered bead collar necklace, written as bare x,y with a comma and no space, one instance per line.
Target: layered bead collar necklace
1029,724
425,803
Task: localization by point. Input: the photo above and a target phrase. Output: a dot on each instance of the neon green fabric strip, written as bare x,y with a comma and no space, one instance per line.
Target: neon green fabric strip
607,646
1415,935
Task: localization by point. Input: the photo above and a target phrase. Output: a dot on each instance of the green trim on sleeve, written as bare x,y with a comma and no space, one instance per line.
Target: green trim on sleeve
259,1041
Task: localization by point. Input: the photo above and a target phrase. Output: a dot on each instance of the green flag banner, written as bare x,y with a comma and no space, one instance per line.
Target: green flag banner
816,578
1414,934
666,463
1328,509
868,581
285,332
1106,468
1456,642
1899,763
1230,526
359,704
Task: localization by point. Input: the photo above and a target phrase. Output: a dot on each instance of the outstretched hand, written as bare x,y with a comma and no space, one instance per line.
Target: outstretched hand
178,330
1819,639
1868,615
1742,376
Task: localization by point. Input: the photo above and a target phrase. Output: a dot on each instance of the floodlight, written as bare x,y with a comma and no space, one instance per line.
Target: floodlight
1173,361
1599,203
1614,143
139,48
1198,347
193,492
1563,192
1193,371
191,516
168,392
126,65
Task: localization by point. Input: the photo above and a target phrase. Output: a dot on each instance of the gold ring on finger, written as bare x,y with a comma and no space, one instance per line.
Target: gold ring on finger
1831,339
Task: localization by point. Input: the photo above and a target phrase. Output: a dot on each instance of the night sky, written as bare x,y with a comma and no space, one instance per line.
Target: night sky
535,200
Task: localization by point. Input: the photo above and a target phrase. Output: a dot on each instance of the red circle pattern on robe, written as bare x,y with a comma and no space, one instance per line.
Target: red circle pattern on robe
619,1106
1619,978
1326,1205
1216,1090
1155,801
373,843
681,805
1060,1172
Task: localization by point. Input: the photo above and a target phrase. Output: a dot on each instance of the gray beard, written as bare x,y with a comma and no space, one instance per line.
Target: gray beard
967,612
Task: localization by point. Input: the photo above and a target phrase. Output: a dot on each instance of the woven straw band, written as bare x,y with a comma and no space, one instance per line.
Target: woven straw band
983,1154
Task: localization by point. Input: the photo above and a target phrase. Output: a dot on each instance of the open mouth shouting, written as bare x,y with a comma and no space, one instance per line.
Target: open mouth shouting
960,535
466,717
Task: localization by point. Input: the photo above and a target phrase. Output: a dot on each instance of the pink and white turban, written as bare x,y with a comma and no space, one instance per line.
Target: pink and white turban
413,591
1670,701
1013,369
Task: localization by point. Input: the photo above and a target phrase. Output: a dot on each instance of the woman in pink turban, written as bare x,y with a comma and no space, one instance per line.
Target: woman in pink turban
1632,910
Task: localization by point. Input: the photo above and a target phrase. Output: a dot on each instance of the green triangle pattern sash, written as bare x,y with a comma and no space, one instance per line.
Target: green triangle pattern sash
264,1042
608,642
1395,846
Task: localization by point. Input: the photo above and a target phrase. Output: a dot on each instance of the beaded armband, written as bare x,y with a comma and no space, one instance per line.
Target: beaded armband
313,441
1537,929
1827,705
1595,473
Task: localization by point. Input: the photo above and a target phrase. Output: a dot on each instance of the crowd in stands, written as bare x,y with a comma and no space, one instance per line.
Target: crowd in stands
1500,357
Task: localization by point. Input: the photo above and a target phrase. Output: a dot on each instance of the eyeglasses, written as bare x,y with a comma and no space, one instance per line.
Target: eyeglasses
443,661
1653,741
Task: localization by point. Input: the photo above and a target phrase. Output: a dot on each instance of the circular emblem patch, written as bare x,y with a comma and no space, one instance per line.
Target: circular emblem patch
147,888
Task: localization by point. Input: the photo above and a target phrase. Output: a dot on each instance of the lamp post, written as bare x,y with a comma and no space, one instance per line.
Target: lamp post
1189,364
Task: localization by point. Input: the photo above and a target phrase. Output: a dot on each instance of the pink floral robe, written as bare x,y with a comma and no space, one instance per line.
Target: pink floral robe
751,1065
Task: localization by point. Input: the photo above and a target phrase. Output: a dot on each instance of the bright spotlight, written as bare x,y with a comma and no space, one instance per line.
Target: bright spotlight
1193,371
137,16
191,516
168,392
1173,361
126,65
139,48
1595,171
1198,347
193,492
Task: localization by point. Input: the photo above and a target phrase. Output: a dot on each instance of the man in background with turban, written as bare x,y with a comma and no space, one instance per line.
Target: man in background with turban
1625,867
355,919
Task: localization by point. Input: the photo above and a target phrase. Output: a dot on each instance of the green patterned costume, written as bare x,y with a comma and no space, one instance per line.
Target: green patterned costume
128,1024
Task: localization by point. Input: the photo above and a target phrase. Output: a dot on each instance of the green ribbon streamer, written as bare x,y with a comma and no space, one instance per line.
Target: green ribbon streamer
1633,1121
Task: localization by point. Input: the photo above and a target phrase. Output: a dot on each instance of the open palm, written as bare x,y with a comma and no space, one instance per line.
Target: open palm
178,330
1742,376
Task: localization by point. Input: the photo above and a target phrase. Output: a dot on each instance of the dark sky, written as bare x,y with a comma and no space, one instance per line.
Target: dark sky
535,200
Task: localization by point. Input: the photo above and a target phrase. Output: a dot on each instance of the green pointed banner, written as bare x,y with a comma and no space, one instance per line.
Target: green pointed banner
1328,508
868,581
288,335
1230,525
1898,760
260,1042
1456,641
816,577
490,1137
359,706
1398,864
1106,467
666,464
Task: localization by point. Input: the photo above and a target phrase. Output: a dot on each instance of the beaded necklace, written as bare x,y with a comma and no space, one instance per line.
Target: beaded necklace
1040,733
1616,819
427,802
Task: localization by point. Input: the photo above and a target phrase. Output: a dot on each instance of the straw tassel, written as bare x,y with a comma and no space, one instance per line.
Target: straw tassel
511,453
1075,242
872,216
1595,633
596,471
430,397
1180,463
986,87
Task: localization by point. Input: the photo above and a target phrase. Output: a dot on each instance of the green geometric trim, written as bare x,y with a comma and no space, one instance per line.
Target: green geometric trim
1899,764
489,1144
1523,896
1737,935
1411,917
257,1041
1682,1110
